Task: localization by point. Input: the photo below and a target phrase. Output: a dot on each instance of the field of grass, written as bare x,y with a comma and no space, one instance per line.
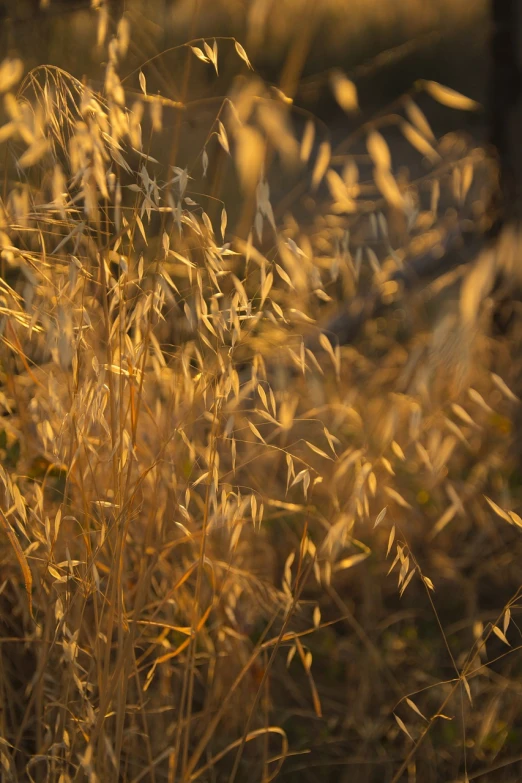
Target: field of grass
231,548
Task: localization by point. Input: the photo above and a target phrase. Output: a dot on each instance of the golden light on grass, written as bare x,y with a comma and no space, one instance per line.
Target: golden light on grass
199,485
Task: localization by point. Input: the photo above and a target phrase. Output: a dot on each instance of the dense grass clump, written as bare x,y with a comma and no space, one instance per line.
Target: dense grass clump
205,498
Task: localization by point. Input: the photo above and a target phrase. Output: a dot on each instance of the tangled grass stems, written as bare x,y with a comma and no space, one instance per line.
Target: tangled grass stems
188,486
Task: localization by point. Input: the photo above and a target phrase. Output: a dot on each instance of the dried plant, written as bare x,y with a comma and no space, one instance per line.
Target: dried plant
199,484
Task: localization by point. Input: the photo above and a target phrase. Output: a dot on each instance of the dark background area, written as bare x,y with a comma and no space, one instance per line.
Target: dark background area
435,39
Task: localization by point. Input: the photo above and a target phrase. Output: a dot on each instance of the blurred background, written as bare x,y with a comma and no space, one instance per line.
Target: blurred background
443,40
295,45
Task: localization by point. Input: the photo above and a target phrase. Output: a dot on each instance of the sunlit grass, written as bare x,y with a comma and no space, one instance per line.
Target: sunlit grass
201,487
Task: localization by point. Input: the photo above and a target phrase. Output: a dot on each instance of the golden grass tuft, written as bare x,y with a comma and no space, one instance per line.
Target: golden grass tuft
200,488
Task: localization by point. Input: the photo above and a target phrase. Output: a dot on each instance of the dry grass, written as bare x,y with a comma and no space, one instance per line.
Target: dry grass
203,517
